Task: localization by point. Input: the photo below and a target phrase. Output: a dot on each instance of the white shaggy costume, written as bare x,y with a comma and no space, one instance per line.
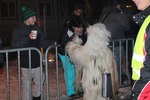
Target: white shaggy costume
92,59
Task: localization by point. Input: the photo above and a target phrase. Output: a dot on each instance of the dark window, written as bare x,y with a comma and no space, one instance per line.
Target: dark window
8,9
46,8
12,9
4,9
41,9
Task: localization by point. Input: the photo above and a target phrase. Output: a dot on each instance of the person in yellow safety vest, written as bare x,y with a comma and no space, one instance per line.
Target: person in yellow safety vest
141,53
139,50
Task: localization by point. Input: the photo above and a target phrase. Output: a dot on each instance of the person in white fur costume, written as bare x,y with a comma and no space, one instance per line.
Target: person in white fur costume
92,59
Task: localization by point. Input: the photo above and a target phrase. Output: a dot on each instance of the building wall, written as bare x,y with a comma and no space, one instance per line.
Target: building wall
51,26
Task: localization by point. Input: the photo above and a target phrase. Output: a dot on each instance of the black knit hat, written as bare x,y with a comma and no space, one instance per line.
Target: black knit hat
27,12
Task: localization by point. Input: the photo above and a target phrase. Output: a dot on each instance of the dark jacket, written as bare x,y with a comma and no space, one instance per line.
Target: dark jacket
64,38
73,16
21,39
116,22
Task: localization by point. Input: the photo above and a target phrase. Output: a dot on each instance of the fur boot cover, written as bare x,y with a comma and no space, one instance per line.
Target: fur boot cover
91,60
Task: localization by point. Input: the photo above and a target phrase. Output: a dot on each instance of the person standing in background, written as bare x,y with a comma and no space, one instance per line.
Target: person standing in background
117,23
77,12
24,37
141,54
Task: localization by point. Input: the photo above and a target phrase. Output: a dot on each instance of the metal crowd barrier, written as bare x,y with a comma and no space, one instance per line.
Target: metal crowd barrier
125,47
47,74
18,53
125,55
44,67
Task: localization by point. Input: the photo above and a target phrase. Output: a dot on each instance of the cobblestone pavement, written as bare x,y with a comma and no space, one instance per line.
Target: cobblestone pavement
13,71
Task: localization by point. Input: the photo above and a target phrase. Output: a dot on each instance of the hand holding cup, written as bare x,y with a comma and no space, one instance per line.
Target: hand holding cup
33,34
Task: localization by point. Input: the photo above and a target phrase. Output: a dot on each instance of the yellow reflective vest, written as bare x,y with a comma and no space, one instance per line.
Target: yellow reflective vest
139,50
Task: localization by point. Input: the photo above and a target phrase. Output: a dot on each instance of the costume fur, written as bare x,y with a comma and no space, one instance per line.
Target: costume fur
92,59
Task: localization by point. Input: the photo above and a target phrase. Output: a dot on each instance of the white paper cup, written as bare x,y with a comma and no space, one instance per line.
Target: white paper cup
34,34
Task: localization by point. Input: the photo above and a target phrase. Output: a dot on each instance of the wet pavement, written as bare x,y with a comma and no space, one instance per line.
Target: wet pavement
124,93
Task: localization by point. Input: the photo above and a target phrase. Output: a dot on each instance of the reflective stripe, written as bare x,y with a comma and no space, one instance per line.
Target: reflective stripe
137,72
137,57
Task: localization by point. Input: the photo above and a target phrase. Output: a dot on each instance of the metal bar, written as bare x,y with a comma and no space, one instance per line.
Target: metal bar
46,72
58,90
30,76
7,75
19,75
